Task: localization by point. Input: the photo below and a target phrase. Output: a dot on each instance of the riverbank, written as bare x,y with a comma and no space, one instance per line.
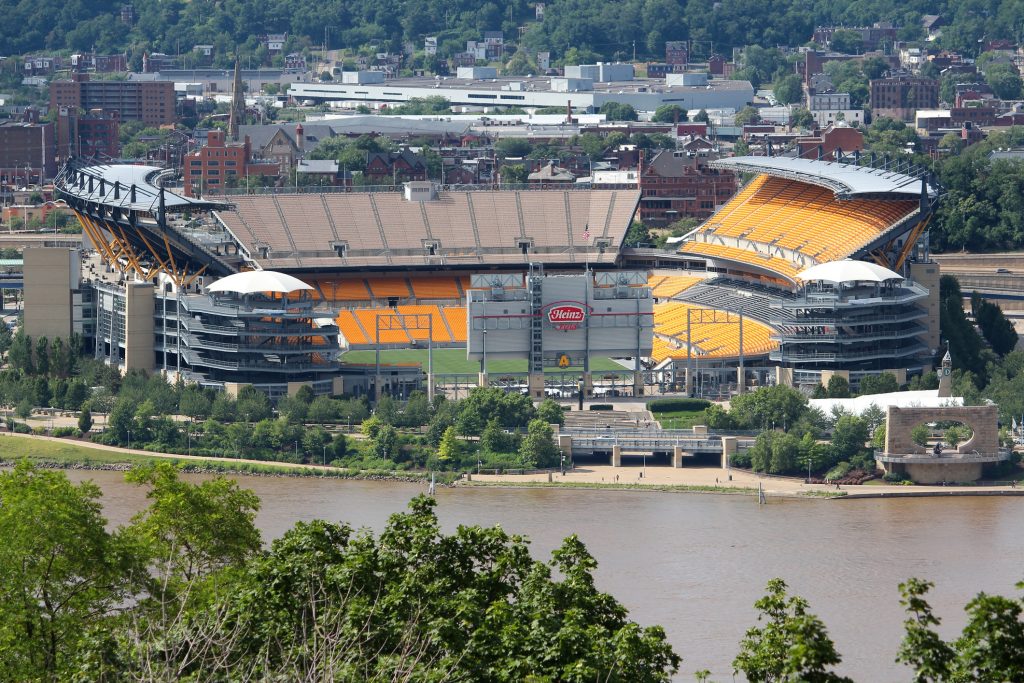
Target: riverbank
52,452
727,482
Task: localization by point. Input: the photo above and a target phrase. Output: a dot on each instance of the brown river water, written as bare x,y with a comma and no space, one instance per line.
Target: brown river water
696,563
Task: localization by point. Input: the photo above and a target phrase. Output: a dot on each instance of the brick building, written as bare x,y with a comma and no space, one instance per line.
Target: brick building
221,163
95,135
392,168
676,52
828,140
676,185
27,152
151,102
900,97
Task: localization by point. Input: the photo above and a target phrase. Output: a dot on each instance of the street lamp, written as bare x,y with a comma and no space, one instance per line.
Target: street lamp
296,450
129,441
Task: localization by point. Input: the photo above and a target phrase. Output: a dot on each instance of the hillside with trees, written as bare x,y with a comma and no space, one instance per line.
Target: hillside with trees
572,30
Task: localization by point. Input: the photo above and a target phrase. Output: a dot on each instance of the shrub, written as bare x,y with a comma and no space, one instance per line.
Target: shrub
740,460
21,428
894,477
66,431
839,471
673,405
39,431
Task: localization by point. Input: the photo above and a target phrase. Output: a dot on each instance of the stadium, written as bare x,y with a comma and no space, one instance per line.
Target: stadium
813,269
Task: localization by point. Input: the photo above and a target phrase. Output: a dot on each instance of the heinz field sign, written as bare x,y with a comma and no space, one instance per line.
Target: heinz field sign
566,316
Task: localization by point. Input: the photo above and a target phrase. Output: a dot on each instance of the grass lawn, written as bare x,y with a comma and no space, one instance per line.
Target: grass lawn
453,361
680,419
14,447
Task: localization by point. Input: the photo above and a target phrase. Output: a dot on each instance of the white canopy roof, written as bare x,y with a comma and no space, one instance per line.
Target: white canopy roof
848,270
252,281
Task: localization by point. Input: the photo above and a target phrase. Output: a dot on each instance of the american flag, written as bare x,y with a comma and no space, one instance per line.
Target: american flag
586,232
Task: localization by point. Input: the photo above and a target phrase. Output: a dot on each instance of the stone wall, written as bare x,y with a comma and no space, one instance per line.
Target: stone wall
900,422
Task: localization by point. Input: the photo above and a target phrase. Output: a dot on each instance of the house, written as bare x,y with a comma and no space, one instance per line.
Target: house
275,42
932,24
323,173
550,175
681,184
392,168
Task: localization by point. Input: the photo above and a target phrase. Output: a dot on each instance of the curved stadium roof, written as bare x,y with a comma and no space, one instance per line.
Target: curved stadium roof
118,180
846,180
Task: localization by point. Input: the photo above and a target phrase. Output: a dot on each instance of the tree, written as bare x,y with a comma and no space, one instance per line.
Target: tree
768,408
882,383
954,436
617,111
43,356
789,89
793,644
322,410
190,530
60,570
989,647
223,408
847,42
849,436
85,421
669,113
702,116
432,606
385,442
551,412
194,403
538,448
252,405
920,435
1005,81
494,439
637,234
513,147
838,387
450,446
998,331
513,174
801,118
747,115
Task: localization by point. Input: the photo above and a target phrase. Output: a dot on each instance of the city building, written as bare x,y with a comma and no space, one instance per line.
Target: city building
826,142
220,164
153,103
94,135
392,168
872,37
27,152
680,184
900,96
589,95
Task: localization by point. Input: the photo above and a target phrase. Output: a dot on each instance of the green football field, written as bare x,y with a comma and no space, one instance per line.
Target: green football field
453,361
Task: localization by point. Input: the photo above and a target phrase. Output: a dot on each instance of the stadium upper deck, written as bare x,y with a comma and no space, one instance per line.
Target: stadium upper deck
381,230
798,212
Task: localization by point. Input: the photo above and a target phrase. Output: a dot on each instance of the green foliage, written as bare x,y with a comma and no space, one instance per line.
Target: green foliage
514,174
190,530
551,412
964,343
882,383
669,405
789,89
988,649
747,115
450,445
768,407
617,111
538,447
792,645
847,42
838,387
85,421
669,113
59,570
513,147
637,234
849,436
995,327
920,435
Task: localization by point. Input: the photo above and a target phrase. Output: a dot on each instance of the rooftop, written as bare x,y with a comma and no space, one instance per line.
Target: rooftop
846,180
112,185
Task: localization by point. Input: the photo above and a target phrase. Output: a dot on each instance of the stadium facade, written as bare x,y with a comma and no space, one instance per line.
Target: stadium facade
268,289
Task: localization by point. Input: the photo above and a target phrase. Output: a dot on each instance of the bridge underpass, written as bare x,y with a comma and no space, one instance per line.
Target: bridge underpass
675,447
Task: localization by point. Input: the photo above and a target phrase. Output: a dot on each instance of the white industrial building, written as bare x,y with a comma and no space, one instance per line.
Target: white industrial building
579,92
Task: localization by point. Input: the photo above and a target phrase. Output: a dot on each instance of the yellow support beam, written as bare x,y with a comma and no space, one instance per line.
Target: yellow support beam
911,241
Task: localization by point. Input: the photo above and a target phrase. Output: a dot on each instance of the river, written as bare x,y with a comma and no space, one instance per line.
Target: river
696,563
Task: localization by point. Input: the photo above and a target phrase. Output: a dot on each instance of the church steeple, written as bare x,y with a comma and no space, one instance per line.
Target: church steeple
237,114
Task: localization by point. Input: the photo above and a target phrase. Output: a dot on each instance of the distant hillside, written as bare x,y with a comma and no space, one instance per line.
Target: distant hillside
595,28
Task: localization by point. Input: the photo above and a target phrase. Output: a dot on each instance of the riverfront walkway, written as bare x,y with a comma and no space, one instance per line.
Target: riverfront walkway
660,476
